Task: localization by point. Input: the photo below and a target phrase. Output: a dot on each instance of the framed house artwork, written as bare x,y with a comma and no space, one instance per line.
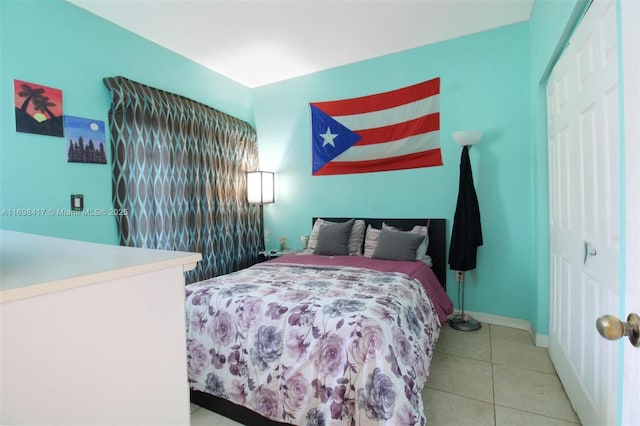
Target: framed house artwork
38,109
85,140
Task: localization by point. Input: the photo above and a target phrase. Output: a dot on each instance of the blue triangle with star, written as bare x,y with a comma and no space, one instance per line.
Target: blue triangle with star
329,138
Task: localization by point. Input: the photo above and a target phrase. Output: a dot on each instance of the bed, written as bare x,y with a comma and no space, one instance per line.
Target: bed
324,336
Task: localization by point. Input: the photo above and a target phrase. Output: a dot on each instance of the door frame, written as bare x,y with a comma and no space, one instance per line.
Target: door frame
629,40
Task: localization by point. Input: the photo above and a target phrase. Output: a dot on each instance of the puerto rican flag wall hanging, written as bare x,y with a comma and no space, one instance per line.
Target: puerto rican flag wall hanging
393,130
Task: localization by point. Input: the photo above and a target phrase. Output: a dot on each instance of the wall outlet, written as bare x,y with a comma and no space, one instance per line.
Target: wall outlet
267,236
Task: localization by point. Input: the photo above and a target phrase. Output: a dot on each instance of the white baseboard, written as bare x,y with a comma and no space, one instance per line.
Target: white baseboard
520,324
542,340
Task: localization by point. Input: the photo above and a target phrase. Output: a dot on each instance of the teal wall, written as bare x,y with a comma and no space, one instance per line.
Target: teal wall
492,81
57,44
486,85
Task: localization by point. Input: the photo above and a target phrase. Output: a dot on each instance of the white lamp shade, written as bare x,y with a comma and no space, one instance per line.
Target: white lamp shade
260,187
467,137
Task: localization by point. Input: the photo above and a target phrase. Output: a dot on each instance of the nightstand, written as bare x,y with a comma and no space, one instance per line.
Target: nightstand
268,255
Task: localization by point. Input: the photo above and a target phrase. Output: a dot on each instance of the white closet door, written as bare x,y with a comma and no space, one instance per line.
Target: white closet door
584,187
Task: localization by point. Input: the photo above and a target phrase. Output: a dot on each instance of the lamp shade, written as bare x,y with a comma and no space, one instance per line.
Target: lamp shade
260,187
467,137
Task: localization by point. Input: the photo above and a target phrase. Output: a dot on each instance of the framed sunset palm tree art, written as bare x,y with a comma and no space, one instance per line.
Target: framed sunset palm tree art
38,109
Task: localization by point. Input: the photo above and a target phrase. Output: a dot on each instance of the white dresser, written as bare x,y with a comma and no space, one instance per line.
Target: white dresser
91,333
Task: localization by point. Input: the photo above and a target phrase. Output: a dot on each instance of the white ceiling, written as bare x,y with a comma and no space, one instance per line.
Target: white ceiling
261,42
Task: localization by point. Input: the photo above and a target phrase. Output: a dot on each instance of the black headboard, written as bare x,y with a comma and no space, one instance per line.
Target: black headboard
437,238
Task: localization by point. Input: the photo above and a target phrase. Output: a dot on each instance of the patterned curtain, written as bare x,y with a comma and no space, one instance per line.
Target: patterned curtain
179,169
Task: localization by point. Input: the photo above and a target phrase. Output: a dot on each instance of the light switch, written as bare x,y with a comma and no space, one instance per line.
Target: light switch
77,202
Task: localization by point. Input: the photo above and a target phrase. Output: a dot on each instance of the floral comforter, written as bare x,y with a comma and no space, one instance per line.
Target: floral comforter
313,344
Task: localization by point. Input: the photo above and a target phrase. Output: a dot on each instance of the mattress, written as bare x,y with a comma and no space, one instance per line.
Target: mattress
306,339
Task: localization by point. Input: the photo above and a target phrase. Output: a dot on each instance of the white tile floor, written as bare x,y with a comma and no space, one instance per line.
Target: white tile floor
202,417
493,376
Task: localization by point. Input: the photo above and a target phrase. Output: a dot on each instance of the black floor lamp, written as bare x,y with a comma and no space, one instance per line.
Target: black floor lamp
463,321
260,190
466,235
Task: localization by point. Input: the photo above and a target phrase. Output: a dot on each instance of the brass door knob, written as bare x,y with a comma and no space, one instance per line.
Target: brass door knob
611,328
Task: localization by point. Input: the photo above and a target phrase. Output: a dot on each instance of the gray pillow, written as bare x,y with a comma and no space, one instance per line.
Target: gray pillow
396,245
333,239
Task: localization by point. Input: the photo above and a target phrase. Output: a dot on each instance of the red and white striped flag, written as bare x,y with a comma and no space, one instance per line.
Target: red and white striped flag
393,130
